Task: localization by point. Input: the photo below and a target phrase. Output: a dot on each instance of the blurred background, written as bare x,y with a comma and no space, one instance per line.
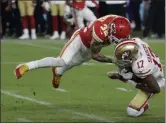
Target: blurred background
147,17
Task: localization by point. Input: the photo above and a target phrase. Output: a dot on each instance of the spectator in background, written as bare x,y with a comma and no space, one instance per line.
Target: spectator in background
40,22
11,18
156,17
146,6
57,9
26,8
134,8
116,7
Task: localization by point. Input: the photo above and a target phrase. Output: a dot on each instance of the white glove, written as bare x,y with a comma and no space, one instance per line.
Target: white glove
46,6
125,74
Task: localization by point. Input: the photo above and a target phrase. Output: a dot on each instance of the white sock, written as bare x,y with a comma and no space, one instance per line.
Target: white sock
26,32
33,31
46,62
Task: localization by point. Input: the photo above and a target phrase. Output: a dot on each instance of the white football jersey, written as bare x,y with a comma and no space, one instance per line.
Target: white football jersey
147,62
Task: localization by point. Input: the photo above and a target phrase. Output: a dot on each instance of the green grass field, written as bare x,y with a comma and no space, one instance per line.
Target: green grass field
85,94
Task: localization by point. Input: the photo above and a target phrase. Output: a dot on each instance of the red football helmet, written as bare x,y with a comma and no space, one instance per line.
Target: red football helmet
119,29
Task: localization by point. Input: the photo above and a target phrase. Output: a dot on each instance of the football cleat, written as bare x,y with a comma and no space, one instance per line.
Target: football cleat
33,36
55,36
63,35
56,78
24,37
20,70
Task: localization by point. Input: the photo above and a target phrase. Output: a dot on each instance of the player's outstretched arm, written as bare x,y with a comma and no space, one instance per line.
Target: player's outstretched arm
95,53
149,84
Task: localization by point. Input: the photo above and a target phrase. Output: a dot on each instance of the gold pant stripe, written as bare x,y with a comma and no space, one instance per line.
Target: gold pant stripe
68,43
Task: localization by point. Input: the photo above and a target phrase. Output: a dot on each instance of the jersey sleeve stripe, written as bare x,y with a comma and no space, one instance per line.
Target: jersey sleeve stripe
95,36
68,43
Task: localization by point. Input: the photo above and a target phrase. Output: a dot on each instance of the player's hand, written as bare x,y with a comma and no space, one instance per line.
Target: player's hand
126,74
115,75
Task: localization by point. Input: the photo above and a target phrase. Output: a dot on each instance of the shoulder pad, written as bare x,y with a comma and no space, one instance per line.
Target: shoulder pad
100,32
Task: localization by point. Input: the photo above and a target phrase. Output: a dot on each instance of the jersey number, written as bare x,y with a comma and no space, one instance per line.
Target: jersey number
140,64
104,28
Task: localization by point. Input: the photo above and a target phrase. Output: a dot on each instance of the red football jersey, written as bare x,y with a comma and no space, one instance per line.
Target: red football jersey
78,4
98,30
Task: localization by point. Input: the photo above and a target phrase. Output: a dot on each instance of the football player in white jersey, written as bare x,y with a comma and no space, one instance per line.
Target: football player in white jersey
139,66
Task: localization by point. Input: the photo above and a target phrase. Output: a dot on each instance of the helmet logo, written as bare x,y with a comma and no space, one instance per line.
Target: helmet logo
113,28
124,55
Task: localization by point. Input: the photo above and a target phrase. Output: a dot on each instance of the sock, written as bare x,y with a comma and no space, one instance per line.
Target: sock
55,23
63,25
24,22
46,62
32,22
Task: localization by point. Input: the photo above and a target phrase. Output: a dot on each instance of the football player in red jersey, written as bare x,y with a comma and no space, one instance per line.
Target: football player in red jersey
85,44
81,12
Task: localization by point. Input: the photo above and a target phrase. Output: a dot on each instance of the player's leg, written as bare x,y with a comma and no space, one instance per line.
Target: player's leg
45,62
78,16
49,61
54,13
21,6
74,53
88,15
63,25
30,13
139,104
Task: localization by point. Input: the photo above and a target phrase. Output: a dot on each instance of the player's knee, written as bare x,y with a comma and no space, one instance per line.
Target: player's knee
52,61
60,61
132,112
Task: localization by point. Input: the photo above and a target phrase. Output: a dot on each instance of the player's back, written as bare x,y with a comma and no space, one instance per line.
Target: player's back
147,62
99,28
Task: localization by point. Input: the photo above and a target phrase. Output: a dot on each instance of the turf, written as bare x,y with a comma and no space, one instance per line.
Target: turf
89,97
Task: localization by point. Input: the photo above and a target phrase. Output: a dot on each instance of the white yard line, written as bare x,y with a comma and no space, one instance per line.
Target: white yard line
124,89
23,120
39,46
90,116
60,90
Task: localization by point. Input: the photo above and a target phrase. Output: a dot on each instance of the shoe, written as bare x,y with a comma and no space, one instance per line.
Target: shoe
33,37
56,78
63,36
23,37
20,70
55,36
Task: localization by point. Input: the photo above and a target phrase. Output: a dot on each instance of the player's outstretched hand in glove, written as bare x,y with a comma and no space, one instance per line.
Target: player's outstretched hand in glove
115,75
